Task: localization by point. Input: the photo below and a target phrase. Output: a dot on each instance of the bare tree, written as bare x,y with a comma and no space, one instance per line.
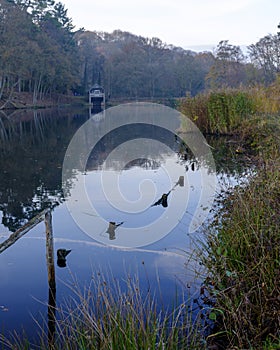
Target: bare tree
265,54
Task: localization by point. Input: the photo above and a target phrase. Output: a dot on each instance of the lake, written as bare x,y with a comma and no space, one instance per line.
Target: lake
128,195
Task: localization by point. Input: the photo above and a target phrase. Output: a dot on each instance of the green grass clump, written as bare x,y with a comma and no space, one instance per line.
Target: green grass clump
260,134
243,259
225,111
106,316
218,112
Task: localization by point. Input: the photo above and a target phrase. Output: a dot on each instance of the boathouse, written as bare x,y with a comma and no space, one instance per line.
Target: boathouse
96,95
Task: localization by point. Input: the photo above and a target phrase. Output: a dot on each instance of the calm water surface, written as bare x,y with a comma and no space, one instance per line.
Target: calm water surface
33,146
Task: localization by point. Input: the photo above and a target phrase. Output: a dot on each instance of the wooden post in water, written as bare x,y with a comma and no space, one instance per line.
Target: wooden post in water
51,278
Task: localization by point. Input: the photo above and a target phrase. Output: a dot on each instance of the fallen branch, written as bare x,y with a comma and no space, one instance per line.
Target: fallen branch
22,231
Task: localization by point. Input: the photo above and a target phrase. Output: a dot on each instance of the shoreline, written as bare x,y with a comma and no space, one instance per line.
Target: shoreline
24,100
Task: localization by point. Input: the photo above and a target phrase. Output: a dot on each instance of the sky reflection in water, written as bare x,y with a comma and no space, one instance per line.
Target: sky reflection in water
160,264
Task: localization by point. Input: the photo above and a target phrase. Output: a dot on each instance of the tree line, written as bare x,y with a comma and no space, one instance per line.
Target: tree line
38,53
42,53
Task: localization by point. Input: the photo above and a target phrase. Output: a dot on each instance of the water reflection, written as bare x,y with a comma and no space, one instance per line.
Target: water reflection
94,111
32,149
228,161
61,256
33,145
111,230
51,278
162,201
117,149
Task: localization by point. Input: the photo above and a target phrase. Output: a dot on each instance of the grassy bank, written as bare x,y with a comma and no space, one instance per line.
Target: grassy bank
243,259
242,249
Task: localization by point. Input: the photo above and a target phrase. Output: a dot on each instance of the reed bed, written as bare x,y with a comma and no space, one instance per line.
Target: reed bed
224,111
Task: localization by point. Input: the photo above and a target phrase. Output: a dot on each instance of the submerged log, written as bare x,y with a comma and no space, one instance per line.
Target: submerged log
22,231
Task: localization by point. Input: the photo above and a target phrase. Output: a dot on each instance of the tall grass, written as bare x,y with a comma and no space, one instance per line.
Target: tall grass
267,99
223,111
243,260
218,112
242,247
106,316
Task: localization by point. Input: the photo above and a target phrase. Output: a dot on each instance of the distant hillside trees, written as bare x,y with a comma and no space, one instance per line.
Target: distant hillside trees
41,53
133,66
231,69
37,51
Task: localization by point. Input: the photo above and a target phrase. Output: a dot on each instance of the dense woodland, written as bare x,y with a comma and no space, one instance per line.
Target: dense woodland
43,54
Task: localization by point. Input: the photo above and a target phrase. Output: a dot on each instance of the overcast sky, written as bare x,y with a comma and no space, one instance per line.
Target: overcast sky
185,23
